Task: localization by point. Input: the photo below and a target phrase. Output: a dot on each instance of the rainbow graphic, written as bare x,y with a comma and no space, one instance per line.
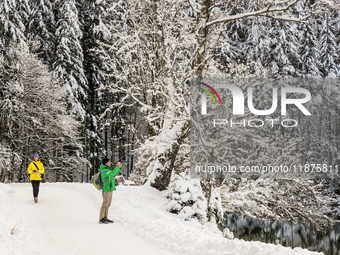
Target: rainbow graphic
212,89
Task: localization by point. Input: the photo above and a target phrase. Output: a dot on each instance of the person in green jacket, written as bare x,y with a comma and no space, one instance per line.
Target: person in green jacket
107,175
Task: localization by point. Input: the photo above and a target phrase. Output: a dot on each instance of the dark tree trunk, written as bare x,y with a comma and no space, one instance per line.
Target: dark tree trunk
167,159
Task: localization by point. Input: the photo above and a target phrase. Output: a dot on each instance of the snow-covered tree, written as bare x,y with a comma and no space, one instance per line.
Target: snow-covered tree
90,15
329,51
210,20
41,30
5,163
309,52
299,201
151,57
13,20
33,119
68,63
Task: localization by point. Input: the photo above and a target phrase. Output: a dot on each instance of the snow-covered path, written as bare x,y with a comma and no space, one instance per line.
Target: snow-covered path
65,221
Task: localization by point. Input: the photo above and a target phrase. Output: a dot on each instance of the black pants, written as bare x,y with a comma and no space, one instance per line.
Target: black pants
35,185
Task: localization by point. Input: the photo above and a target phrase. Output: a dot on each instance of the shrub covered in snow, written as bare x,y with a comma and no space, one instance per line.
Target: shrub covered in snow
187,199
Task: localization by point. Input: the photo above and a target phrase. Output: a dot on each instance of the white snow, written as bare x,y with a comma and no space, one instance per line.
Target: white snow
65,221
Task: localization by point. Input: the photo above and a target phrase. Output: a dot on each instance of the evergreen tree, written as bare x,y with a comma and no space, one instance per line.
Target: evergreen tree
41,30
284,56
95,69
13,20
328,45
309,52
68,64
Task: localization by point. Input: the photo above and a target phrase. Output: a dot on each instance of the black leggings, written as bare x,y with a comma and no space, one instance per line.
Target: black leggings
35,185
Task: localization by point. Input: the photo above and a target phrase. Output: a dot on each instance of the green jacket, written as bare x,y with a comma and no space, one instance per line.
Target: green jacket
108,175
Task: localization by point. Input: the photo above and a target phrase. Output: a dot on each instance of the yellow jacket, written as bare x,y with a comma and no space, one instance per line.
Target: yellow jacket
36,176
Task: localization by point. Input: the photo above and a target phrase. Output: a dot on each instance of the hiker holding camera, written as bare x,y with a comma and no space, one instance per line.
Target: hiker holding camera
107,175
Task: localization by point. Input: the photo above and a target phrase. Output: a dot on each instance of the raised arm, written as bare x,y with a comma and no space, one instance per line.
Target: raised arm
116,169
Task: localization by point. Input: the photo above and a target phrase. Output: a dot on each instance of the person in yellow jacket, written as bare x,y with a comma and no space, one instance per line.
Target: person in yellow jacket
35,169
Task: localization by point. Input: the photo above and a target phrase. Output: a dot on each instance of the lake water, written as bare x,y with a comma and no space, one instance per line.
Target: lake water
284,233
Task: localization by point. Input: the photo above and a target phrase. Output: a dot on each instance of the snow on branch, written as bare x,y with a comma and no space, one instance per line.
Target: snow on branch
298,201
193,6
301,20
263,12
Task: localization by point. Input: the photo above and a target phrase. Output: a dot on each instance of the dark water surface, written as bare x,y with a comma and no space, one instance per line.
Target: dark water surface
284,233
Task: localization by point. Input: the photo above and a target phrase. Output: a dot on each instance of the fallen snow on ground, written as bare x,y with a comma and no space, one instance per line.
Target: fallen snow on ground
65,221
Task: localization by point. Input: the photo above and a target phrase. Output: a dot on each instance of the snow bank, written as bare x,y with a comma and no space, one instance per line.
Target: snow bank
143,209
13,219
65,221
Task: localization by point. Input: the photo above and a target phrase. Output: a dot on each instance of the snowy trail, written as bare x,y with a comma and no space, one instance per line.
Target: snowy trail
65,221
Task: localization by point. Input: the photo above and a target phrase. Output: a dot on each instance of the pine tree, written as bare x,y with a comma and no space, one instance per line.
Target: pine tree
68,64
309,52
41,30
13,21
95,69
329,50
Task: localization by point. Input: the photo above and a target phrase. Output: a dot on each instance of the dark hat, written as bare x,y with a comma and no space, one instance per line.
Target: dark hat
105,160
